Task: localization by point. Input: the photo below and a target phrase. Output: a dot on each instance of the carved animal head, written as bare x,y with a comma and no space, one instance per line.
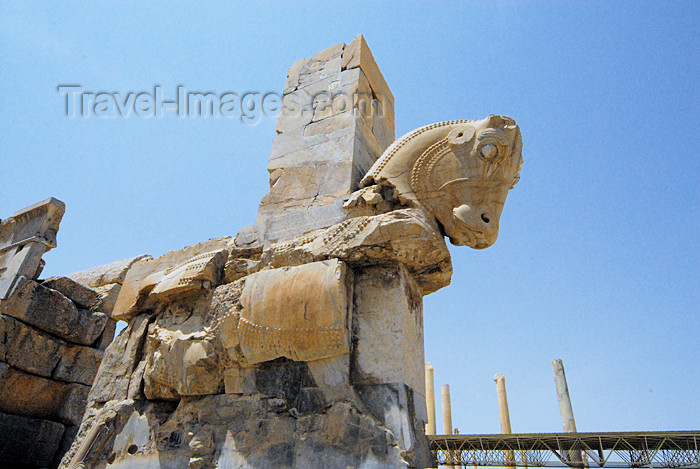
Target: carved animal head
460,172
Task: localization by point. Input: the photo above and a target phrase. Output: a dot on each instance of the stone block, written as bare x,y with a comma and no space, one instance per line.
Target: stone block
326,63
403,236
383,130
107,335
73,404
114,272
108,297
290,150
352,94
332,376
358,55
120,360
321,131
78,365
301,313
79,294
27,348
204,262
33,396
180,364
199,273
284,226
20,264
401,410
342,437
27,442
388,325
246,236
304,138
238,268
297,108
24,237
50,311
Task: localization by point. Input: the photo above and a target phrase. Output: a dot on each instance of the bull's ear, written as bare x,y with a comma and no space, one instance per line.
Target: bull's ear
498,121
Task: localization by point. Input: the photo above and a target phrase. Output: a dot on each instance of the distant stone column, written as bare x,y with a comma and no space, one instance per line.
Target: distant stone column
447,428
567,411
504,413
430,428
446,410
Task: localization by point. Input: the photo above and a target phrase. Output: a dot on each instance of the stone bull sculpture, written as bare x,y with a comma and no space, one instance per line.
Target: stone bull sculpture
459,172
304,351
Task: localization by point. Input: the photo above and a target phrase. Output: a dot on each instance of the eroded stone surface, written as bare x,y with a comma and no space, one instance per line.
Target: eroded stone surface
50,311
120,361
388,316
192,269
114,272
78,365
28,349
33,396
406,236
81,295
24,237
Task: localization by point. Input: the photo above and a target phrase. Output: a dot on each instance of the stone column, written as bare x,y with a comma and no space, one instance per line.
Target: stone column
447,428
567,411
446,410
387,359
504,413
430,427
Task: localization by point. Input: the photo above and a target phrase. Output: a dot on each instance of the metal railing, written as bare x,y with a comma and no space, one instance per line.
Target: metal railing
578,450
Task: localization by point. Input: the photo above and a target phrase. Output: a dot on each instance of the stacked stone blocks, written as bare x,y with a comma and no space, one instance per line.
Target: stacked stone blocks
52,340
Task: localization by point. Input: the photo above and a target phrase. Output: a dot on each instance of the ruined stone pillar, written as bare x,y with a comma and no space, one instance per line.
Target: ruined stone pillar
567,411
446,410
337,118
504,413
430,427
565,408
447,428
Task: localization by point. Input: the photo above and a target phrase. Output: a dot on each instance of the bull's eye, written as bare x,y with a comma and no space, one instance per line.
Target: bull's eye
489,151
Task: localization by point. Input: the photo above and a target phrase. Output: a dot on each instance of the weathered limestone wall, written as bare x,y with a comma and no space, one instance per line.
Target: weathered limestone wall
52,340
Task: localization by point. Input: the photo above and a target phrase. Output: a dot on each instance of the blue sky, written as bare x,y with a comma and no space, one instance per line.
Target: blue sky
597,259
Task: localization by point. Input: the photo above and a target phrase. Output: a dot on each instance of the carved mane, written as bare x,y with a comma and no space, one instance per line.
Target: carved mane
414,146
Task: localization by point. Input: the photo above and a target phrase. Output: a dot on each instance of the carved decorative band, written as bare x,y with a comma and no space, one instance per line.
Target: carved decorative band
293,342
